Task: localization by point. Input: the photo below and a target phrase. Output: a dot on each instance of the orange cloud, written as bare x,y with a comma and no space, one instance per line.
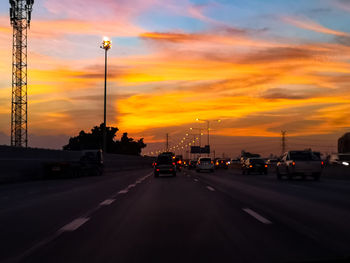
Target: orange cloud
313,26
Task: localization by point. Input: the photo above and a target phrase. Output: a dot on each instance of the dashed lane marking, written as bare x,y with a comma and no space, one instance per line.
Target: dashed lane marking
196,180
257,216
74,225
123,192
107,202
210,188
131,186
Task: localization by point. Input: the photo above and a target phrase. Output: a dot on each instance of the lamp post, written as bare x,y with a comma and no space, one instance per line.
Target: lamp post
208,128
200,135
106,45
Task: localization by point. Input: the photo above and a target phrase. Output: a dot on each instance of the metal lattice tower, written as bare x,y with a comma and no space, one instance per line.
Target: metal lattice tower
20,15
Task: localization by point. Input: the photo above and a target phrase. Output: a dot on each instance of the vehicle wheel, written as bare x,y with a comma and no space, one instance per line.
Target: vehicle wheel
279,176
248,172
317,176
212,170
174,174
289,175
243,172
197,170
265,172
303,177
156,174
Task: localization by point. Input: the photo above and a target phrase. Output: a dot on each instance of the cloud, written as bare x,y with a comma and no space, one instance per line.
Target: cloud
313,26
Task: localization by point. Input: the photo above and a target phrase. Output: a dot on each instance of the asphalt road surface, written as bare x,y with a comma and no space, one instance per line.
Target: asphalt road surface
208,217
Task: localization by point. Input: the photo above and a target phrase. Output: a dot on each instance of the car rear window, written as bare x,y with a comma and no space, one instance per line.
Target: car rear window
303,156
164,160
257,161
345,157
208,160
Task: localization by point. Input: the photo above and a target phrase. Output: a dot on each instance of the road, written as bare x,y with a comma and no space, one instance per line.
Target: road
133,217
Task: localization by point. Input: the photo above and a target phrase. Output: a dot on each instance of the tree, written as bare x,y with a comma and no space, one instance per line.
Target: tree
93,140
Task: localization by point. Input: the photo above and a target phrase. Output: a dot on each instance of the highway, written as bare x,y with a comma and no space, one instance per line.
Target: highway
130,216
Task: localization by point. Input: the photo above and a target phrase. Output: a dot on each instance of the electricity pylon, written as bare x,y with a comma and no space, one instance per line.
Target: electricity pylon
20,16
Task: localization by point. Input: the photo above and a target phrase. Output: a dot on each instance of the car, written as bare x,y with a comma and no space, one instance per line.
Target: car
221,163
300,163
178,162
271,162
339,159
192,164
205,164
164,164
255,164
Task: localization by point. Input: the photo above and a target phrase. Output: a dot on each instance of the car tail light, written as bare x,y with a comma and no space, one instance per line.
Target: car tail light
251,166
322,163
211,162
266,165
157,170
173,163
155,164
217,163
293,163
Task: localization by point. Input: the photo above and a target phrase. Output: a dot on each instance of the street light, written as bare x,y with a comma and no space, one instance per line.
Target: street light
208,127
106,45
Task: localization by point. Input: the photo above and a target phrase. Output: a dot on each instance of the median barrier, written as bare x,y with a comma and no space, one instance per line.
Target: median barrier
24,164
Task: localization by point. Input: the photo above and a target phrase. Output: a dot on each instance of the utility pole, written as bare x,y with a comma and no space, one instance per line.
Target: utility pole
167,142
20,16
283,133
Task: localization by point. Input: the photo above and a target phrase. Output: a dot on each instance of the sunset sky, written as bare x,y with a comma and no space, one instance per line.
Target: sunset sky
259,66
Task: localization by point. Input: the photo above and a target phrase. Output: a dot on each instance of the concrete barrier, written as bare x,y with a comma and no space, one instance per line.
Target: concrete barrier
21,164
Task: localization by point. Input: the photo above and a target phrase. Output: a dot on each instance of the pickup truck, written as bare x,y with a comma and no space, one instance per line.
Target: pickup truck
88,162
300,163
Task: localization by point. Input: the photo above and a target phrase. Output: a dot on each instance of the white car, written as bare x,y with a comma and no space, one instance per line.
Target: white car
301,163
205,164
340,159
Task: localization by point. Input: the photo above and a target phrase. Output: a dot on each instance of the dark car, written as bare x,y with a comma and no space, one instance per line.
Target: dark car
221,163
164,164
192,164
178,162
256,165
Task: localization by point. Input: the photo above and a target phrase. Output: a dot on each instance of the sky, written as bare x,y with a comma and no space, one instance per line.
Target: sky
259,66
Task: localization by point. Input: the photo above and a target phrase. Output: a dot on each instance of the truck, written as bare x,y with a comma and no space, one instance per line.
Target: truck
300,163
84,163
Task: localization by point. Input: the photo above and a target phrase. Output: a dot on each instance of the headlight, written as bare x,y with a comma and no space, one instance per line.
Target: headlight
345,163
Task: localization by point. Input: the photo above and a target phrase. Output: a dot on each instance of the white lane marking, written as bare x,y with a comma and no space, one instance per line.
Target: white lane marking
196,180
74,225
210,188
257,216
123,191
107,202
131,186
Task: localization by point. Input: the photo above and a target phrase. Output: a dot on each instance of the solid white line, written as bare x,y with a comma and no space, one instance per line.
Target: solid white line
131,186
107,202
211,188
123,192
196,180
74,225
257,216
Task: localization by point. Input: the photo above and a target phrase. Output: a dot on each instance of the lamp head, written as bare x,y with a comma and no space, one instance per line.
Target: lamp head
106,43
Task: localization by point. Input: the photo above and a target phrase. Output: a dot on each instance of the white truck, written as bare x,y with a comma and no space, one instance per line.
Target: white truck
300,163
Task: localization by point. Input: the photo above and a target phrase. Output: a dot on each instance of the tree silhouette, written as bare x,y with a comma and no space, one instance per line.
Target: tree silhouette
93,140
